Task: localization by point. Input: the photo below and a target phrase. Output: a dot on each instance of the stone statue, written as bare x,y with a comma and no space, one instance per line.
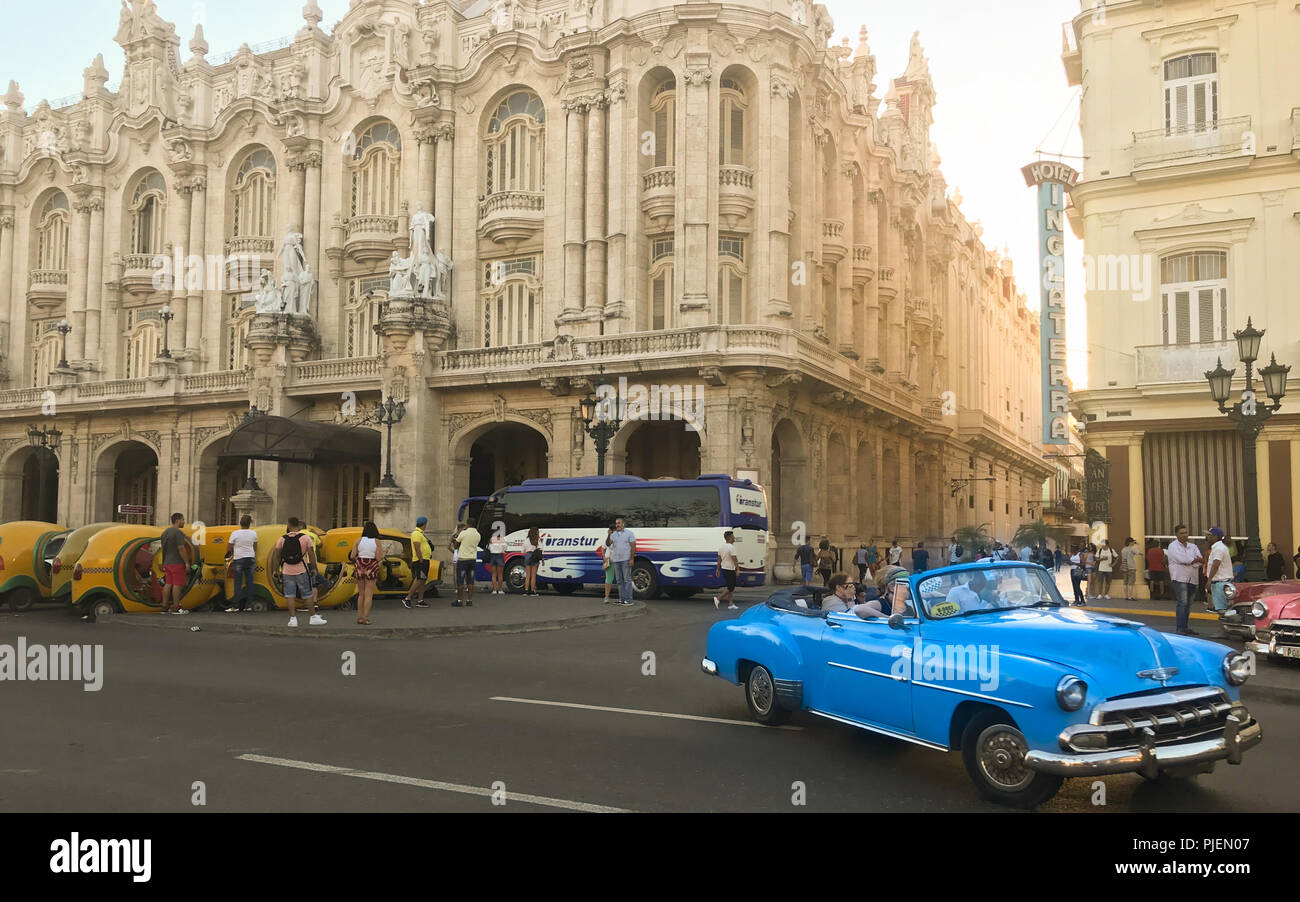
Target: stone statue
503,15
306,290
399,276
268,296
799,12
912,355
442,274
293,261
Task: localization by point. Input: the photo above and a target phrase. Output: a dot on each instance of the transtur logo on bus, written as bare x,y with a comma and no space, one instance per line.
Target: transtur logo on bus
569,541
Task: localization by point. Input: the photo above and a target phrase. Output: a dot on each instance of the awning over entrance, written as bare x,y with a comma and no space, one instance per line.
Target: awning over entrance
299,441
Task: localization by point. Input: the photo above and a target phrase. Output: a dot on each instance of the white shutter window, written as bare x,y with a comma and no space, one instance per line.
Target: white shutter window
735,299
659,290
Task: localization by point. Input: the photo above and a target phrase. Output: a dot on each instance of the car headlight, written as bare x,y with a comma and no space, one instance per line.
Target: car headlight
1259,610
1229,591
1071,692
1237,667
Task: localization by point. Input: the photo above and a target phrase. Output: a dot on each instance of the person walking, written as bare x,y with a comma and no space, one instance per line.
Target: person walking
860,558
241,551
728,563
497,563
1157,569
1090,570
872,557
607,565
1076,578
296,551
467,542
365,568
1273,563
532,560
421,554
1106,558
955,552
1130,560
1218,570
622,552
826,561
804,557
177,562
920,558
895,553
1184,573
1059,558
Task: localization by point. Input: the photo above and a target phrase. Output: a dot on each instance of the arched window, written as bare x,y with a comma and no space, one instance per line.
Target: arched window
1194,297
52,234
143,341
363,309
147,207
730,307
515,145
661,282
238,316
376,171
512,302
254,197
47,347
731,127
663,108
1191,93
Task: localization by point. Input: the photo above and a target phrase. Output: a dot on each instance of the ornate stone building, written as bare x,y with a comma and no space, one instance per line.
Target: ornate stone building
710,201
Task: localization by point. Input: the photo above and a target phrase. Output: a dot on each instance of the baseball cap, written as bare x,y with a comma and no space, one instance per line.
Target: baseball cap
1216,531
420,521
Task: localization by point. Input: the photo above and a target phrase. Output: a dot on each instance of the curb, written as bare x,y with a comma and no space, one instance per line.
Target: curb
416,632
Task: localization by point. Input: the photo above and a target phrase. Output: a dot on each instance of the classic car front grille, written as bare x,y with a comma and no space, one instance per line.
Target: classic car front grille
1172,716
1286,632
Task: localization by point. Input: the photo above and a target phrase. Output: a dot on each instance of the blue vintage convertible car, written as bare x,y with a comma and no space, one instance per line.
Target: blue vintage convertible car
989,659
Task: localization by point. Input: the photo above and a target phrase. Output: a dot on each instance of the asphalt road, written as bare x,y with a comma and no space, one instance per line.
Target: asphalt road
421,727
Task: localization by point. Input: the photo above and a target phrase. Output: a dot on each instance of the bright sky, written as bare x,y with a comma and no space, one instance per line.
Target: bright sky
996,65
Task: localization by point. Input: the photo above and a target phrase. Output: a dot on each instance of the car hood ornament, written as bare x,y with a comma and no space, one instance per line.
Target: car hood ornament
1163,674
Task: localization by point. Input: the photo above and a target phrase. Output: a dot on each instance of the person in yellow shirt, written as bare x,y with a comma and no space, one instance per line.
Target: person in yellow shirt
421,553
466,560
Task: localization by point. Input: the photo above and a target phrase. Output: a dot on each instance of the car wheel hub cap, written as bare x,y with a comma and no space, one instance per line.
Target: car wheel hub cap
760,689
1002,758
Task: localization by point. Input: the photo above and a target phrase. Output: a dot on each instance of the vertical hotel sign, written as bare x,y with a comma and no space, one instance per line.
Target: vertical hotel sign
1052,180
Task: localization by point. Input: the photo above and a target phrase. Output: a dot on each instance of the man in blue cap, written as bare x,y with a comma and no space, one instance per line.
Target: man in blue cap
421,552
1218,569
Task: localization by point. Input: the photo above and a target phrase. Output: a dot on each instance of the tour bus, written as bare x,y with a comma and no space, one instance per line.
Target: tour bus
678,525
470,508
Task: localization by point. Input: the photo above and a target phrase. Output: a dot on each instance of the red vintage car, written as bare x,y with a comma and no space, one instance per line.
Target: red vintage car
1266,616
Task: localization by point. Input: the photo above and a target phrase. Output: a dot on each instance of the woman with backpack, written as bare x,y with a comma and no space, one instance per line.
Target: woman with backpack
825,561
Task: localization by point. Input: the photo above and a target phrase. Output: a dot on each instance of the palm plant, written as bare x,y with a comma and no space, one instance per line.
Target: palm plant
972,538
1037,533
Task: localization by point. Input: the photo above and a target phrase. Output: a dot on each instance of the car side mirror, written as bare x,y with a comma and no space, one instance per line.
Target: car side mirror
895,621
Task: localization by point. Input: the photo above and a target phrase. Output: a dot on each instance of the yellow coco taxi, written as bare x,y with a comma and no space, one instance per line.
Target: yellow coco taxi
121,572
268,586
73,547
27,550
394,566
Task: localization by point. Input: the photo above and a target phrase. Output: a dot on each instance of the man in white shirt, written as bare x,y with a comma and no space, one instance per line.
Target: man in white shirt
895,553
1184,559
622,552
968,596
1219,569
241,551
954,552
727,566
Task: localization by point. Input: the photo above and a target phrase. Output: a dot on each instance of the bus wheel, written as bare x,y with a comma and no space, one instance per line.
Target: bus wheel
516,576
645,582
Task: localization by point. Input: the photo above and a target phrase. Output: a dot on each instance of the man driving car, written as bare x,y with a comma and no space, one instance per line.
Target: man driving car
971,597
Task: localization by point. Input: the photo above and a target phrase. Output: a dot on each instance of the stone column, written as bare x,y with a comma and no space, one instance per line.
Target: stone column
425,137
1137,513
297,190
443,177
618,179
845,339
695,173
593,298
78,259
311,227
774,147
9,304
178,222
95,283
195,188
575,178
872,349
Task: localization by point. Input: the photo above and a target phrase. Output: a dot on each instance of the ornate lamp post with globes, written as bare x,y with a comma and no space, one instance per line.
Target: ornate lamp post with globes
166,316
599,425
1250,417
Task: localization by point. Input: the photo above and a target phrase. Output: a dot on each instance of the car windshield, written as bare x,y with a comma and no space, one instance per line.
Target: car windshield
973,590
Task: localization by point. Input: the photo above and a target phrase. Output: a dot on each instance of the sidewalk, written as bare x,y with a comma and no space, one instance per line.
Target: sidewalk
490,614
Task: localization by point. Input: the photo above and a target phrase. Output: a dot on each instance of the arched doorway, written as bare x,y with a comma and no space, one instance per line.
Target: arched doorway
126,472
40,497
506,454
788,493
662,448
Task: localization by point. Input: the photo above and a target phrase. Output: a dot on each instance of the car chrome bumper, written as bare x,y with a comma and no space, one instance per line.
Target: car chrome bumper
1148,759
709,667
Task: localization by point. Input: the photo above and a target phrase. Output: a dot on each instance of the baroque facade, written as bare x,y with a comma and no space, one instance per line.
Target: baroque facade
710,201
1189,208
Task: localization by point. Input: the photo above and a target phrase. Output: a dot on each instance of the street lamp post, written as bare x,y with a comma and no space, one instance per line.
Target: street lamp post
44,438
250,484
1250,417
389,414
63,328
600,426
167,316
956,485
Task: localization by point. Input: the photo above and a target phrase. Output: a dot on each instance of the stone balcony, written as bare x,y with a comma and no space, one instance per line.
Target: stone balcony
862,269
1179,364
511,216
833,247
885,280
314,377
659,195
369,239
735,194
1223,144
918,311
47,288
138,271
182,389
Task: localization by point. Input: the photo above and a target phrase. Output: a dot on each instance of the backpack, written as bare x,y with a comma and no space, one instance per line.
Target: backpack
960,552
291,553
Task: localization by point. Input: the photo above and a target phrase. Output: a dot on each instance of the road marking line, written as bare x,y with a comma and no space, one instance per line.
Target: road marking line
739,723
1151,613
430,784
